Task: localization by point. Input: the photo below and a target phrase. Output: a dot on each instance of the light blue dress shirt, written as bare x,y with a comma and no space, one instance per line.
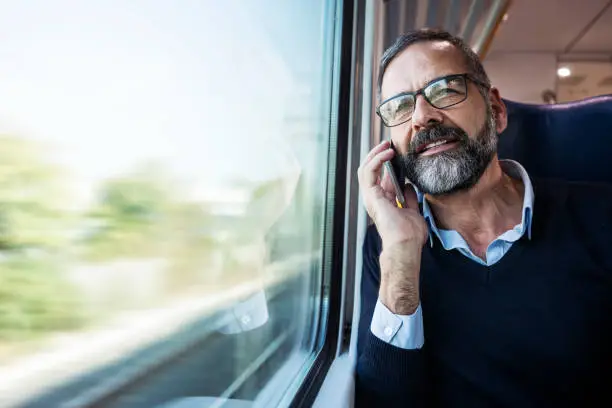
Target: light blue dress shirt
407,331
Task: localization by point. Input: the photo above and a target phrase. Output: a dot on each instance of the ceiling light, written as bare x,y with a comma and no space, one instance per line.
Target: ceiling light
505,17
564,72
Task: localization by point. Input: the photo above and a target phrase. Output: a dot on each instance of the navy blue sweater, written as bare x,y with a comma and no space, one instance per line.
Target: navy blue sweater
533,330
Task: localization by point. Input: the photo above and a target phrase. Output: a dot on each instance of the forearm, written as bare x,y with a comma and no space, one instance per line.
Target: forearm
399,284
387,375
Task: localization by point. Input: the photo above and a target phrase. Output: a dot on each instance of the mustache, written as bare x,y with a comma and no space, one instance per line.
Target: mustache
433,134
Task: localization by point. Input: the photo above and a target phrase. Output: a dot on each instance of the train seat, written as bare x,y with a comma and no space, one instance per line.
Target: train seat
569,141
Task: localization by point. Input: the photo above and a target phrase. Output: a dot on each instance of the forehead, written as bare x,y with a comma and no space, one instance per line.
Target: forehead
418,64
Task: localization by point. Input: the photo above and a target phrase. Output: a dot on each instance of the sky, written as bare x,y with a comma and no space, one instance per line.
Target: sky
204,86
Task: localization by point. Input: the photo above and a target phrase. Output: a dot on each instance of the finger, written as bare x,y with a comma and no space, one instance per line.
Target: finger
371,171
410,195
384,145
390,196
386,182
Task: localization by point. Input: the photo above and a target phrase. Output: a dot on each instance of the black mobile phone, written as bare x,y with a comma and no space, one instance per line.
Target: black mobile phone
398,179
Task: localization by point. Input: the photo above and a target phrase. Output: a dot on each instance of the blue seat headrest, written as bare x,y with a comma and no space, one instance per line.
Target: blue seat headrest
569,141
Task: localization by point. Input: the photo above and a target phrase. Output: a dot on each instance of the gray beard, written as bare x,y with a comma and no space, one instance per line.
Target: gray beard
457,169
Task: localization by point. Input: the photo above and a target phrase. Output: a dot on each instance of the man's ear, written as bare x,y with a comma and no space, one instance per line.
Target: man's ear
499,110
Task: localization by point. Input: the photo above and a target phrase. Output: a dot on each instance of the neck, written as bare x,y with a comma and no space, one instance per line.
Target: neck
485,211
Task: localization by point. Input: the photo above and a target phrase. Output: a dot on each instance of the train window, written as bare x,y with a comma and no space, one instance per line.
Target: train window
164,199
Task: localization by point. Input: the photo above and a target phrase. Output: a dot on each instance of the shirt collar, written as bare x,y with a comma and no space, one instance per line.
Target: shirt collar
511,168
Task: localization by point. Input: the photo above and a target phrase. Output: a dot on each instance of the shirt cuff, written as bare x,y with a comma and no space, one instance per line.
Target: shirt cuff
405,332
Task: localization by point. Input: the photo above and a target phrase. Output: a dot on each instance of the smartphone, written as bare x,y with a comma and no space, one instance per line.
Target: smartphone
394,168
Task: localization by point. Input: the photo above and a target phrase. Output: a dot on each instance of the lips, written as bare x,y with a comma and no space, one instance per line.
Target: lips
430,145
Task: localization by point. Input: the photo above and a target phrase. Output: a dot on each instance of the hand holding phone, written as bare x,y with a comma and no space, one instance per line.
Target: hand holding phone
392,205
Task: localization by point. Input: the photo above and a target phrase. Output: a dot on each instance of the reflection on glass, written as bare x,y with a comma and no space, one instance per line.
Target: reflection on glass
162,191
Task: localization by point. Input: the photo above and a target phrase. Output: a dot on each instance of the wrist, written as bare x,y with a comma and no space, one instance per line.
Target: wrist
400,259
400,300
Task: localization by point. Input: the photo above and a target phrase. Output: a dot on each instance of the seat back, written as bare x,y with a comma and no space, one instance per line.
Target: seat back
569,141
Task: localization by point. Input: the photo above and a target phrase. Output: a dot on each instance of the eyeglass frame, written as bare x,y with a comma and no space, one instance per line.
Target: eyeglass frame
421,91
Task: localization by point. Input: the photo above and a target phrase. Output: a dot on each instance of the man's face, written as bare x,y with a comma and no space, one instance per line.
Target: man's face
442,150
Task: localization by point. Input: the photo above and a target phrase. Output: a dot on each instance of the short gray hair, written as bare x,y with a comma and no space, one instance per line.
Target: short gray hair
404,41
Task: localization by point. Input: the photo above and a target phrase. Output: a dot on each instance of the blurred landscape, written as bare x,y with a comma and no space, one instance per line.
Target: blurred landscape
142,242
154,178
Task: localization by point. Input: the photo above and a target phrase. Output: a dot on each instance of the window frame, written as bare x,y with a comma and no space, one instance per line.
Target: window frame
333,322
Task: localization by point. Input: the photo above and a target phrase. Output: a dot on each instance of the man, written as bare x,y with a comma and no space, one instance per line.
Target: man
490,289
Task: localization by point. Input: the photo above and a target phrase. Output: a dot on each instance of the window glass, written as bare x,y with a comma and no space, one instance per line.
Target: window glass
163,180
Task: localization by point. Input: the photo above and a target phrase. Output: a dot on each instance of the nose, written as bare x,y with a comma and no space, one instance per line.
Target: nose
424,114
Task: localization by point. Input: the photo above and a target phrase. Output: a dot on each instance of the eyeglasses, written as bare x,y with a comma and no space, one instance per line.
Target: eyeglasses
440,93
